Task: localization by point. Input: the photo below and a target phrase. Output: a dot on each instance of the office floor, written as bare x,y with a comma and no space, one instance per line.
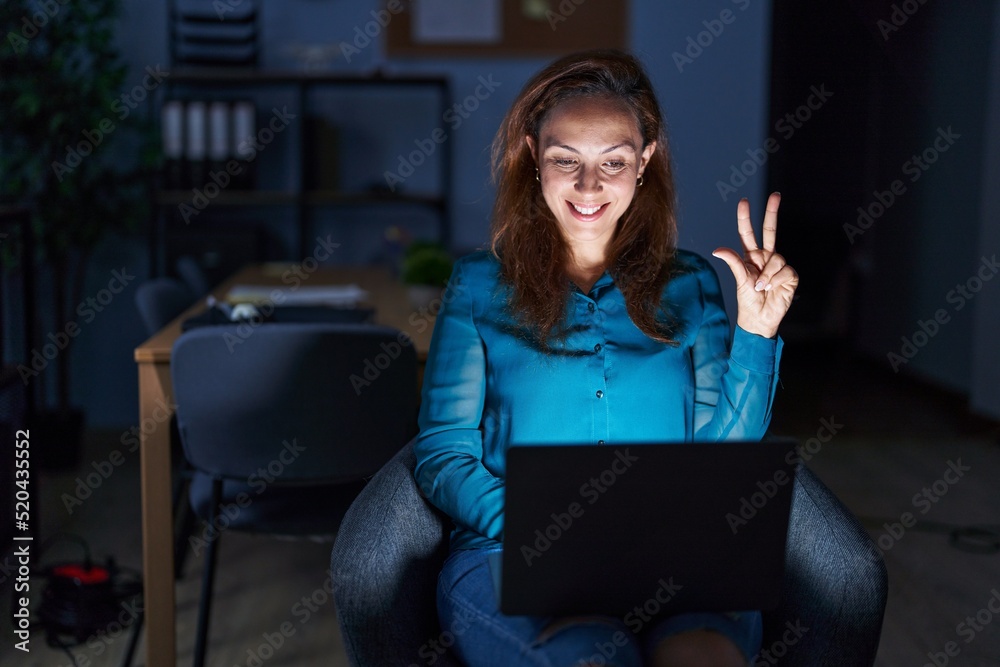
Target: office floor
897,448
890,440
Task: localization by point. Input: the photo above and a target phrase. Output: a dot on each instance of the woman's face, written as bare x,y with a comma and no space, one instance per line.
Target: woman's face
589,155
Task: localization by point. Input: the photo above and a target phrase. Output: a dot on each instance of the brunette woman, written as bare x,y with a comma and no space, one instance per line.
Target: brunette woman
585,323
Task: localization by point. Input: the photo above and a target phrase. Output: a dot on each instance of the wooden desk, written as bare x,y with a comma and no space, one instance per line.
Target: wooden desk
156,407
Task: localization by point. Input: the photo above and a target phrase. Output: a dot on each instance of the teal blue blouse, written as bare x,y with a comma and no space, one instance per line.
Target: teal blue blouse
487,387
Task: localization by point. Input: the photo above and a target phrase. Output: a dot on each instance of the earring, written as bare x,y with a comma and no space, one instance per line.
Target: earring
638,183
537,175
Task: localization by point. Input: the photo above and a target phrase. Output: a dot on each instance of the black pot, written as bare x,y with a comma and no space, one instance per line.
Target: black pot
57,439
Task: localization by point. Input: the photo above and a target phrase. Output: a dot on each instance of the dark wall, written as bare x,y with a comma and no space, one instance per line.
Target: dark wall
902,139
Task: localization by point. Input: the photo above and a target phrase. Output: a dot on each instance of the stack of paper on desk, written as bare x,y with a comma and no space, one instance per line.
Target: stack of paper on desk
340,296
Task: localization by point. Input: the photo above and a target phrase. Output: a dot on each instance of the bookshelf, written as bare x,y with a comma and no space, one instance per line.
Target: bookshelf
288,183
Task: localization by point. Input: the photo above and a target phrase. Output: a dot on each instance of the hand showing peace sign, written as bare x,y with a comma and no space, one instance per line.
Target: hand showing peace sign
765,284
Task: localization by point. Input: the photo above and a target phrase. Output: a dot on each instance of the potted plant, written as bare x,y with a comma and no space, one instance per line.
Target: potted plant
63,101
426,269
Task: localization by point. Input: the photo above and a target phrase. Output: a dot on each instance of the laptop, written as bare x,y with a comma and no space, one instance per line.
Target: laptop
659,528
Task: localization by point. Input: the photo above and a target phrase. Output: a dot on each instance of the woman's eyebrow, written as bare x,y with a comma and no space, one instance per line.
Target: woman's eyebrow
625,144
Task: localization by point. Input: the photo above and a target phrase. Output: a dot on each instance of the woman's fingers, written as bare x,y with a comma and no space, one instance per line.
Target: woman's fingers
765,278
786,277
763,258
768,264
770,230
736,265
745,226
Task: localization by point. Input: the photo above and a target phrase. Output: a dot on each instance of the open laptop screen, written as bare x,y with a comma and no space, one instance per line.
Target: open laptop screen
605,529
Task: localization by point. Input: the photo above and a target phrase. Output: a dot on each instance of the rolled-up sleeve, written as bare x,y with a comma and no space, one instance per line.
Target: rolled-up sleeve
449,448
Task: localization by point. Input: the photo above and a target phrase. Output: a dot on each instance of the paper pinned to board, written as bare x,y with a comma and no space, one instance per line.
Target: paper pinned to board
306,295
456,21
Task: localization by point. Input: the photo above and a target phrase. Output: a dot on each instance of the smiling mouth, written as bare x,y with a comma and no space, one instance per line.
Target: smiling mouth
587,211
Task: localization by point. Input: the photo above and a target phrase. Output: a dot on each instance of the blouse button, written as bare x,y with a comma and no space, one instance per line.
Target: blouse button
600,394
600,442
597,348
591,307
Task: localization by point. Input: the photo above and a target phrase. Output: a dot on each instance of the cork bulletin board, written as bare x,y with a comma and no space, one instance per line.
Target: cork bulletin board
511,28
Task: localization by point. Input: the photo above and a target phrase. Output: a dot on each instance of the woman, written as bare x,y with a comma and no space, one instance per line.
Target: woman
584,323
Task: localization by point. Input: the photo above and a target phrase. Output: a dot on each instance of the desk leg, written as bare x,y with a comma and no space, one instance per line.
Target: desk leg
155,397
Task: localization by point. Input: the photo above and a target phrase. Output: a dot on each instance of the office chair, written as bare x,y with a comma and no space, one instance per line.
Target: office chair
160,300
393,542
192,274
294,400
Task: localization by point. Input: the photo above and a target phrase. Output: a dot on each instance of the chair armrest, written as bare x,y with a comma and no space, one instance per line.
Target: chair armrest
835,586
385,564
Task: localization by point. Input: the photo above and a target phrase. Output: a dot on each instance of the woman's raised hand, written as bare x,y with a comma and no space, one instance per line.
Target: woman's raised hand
765,284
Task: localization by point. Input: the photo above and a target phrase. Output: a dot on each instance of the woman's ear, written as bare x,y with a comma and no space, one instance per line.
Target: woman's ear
530,140
647,153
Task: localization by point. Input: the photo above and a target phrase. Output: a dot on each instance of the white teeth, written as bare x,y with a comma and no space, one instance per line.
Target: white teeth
588,210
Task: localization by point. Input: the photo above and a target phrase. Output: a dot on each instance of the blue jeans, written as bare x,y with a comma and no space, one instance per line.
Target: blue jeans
483,636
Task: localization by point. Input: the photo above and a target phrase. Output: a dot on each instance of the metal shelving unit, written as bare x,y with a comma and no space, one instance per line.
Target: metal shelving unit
305,86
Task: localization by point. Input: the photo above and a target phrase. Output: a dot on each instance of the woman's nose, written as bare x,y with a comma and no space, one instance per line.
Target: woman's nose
589,180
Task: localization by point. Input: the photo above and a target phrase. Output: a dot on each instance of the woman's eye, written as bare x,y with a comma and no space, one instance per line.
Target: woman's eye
615,165
564,162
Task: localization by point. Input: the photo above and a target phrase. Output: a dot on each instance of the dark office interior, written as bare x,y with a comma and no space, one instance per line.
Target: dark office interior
371,124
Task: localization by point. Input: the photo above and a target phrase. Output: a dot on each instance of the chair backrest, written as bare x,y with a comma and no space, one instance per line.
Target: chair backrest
192,274
160,300
303,403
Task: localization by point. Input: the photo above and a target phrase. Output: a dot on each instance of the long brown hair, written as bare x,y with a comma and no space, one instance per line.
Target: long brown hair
524,234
